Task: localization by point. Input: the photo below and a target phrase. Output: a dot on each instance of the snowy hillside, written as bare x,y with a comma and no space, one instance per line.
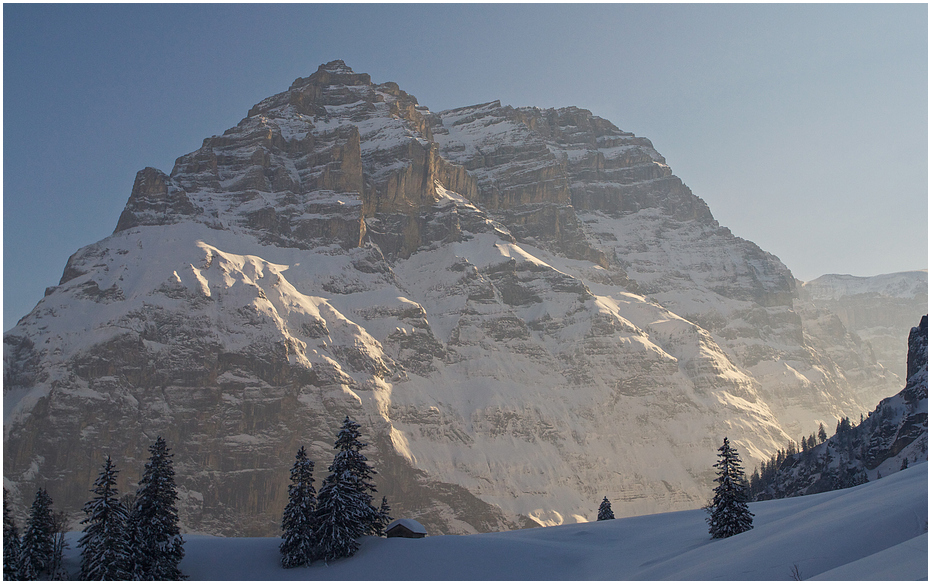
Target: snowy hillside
877,531
524,309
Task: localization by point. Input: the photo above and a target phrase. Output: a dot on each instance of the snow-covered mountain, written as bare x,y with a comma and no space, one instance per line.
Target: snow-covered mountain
523,308
902,285
894,435
874,310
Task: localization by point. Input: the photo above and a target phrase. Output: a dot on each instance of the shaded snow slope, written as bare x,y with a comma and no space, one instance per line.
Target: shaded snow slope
818,533
874,531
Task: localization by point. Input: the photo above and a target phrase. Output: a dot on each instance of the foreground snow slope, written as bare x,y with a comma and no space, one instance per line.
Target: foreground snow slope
875,531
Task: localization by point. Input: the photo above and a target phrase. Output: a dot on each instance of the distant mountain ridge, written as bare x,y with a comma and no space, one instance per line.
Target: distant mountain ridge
876,310
904,285
524,309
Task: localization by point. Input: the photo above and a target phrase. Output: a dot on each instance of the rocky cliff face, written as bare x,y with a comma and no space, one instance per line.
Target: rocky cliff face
894,435
874,310
523,308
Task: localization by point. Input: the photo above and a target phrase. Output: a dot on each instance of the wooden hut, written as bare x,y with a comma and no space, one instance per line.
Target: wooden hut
405,528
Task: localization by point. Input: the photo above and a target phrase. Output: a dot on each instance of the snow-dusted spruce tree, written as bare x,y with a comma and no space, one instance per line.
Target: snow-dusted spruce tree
604,511
38,543
341,517
12,568
344,503
156,545
104,549
349,456
299,517
728,510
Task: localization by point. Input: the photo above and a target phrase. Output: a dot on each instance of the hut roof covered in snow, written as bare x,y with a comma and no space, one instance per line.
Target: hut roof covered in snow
405,528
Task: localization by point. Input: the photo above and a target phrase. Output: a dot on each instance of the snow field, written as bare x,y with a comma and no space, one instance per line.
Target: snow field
874,531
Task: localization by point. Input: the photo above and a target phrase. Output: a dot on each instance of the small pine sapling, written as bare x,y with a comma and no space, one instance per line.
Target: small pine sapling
604,511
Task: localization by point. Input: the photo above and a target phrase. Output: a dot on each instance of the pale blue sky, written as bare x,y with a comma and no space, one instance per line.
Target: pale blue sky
804,127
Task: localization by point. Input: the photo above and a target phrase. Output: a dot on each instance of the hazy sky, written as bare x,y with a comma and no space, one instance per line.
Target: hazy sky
804,127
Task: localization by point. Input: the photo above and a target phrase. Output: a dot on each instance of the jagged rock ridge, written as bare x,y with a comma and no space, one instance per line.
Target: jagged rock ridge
524,309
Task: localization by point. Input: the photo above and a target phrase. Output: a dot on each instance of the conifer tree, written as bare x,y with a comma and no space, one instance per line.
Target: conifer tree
604,511
344,503
384,518
350,457
38,543
157,546
12,569
728,512
104,550
755,483
299,518
822,435
845,425
341,520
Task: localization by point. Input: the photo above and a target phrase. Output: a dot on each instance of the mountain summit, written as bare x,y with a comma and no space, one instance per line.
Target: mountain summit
524,309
